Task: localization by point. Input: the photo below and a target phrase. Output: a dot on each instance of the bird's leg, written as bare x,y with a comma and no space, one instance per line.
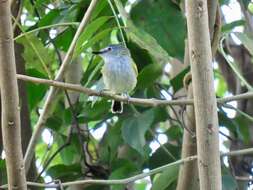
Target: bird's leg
126,95
103,90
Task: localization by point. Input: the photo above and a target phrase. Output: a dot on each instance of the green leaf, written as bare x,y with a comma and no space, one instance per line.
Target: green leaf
65,172
178,81
63,40
224,2
166,178
164,21
230,124
35,92
246,40
243,126
149,75
140,185
126,169
226,28
50,18
70,153
91,29
156,161
95,39
147,42
36,55
99,110
109,149
3,172
222,85
228,183
134,129
250,7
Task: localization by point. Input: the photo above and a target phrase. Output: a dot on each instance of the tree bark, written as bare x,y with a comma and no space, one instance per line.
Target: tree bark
204,95
26,129
188,174
189,147
10,103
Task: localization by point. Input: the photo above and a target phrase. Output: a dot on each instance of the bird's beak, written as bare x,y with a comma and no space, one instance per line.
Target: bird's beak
96,52
100,52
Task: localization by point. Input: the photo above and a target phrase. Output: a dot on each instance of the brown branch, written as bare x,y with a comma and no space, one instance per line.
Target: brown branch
11,131
90,92
204,95
189,148
136,177
243,178
212,6
137,101
46,108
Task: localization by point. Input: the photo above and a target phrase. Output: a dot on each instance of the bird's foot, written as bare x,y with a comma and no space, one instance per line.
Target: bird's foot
126,95
100,92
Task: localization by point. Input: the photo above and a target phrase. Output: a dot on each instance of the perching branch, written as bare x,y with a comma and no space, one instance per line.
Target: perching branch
11,131
136,177
51,94
137,101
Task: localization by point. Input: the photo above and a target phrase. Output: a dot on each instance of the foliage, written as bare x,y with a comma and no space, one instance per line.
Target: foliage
155,33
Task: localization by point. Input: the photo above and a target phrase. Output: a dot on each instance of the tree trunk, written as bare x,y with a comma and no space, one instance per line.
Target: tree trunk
204,95
189,146
10,103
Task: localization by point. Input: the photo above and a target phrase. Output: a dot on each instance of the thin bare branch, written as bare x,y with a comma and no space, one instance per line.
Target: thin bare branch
137,101
136,177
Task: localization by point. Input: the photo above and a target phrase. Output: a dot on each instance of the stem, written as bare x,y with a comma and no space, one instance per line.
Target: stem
118,23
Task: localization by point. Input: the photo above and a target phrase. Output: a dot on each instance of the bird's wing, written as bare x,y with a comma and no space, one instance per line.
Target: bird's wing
135,68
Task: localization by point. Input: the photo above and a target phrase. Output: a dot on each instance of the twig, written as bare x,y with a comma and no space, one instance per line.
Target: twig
45,27
21,2
51,94
162,145
118,23
136,177
234,66
44,65
247,116
67,143
113,182
243,178
137,101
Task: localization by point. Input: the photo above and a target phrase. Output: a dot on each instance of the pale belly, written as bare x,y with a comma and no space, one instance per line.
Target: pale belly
119,77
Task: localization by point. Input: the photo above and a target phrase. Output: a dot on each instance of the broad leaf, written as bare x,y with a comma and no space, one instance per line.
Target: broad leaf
246,40
166,178
164,21
134,129
149,75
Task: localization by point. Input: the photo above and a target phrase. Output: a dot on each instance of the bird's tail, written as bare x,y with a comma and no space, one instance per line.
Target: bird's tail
117,107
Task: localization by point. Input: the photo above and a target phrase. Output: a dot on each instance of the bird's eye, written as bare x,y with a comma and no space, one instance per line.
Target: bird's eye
109,48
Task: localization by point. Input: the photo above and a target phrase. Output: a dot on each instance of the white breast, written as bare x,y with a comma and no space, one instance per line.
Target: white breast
119,75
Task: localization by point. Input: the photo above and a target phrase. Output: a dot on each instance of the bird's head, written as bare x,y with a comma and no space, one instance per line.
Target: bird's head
113,50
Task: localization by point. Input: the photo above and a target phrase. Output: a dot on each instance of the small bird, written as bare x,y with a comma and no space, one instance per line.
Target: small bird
119,72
